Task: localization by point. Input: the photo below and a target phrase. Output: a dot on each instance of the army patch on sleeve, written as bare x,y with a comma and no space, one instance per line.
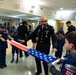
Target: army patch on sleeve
70,70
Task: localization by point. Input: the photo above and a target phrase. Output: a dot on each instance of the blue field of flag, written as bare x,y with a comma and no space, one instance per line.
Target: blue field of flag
41,56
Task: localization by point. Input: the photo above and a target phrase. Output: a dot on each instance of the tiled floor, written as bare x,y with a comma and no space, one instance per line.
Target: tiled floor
25,66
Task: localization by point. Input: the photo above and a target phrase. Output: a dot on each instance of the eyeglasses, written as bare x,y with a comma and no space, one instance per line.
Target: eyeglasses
44,21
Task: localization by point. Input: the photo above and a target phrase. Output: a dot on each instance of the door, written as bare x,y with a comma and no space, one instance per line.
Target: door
60,25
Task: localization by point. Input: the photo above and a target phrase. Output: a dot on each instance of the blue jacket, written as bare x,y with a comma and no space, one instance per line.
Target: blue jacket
68,66
60,43
16,38
3,45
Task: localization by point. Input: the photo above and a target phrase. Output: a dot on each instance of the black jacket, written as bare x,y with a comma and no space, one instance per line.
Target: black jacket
23,31
42,36
70,28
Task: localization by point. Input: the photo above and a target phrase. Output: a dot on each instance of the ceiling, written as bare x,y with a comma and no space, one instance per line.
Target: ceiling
54,5
17,15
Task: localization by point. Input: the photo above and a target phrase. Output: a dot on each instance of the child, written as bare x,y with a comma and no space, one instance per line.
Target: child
60,44
16,38
69,64
3,46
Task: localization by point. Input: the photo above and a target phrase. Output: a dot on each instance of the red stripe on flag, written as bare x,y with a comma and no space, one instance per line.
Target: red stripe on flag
18,45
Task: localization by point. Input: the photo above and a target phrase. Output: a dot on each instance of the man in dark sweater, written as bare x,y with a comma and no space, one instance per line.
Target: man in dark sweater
70,27
23,33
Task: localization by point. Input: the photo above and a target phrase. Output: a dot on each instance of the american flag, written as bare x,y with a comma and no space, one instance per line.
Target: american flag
46,58
41,56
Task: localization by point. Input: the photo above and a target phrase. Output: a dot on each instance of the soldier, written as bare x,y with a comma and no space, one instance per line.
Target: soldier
42,35
69,64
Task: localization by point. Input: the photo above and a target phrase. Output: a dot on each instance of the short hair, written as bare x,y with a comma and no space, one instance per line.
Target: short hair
24,22
61,32
71,37
3,26
68,22
15,32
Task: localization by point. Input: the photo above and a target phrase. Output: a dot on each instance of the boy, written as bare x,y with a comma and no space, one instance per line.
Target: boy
70,28
69,64
16,38
60,44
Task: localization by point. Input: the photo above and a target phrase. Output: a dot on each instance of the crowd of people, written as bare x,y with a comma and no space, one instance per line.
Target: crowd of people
41,35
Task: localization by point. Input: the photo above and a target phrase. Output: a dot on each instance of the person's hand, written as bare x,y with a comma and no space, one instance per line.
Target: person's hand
54,50
3,39
21,41
10,38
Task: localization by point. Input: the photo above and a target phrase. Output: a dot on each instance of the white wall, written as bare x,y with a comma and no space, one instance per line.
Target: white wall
24,6
62,15
53,23
33,7
16,23
65,27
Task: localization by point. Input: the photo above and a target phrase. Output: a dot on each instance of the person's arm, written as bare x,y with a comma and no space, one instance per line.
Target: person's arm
54,71
2,39
62,42
9,37
26,31
33,34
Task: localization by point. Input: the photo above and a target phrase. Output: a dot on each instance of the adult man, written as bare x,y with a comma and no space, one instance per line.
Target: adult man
70,27
42,35
23,33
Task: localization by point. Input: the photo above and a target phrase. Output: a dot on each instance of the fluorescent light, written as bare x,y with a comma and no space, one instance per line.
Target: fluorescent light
61,8
17,16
